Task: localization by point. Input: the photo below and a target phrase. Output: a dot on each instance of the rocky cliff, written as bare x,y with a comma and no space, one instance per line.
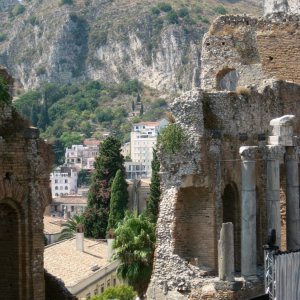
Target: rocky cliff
51,41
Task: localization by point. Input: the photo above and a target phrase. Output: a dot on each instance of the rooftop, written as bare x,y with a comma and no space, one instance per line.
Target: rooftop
70,199
72,266
52,225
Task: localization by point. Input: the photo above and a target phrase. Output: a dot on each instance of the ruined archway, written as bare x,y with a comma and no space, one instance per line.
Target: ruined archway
227,79
232,213
9,252
194,226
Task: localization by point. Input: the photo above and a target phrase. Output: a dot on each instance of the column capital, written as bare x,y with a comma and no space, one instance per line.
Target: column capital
291,153
274,152
248,152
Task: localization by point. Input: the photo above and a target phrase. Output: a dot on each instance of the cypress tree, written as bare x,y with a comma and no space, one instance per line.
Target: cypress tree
118,201
107,164
142,109
154,197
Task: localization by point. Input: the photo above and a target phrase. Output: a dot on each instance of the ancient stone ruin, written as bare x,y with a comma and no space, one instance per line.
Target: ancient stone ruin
24,193
239,163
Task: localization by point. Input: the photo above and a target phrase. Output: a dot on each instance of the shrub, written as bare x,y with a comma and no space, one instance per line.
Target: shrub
172,17
121,292
4,90
242,90
220,10
63,2
2,37
155,10
165,7
182,12
171,139
33,20
17,10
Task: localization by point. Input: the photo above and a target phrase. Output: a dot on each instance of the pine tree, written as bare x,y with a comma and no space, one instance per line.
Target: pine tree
118,201
34,115
154,197
107,164
138,98
132,105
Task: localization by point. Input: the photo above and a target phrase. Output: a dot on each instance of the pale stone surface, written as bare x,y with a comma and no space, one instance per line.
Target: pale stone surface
226,253
292,198
285,6
274,156
248,211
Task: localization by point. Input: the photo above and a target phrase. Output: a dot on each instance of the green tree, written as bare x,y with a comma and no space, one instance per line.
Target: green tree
107,164
154,197
121,292
69,228
4,90
118,201
84,178
134,247
142,109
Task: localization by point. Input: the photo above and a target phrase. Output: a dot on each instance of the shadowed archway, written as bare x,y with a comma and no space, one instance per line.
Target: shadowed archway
232,213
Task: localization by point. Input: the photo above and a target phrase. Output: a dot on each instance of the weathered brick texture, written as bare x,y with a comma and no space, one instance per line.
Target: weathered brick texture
25,164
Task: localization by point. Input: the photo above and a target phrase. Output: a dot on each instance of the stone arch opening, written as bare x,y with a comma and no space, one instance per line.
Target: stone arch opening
194,235
227,79
232,213
10,250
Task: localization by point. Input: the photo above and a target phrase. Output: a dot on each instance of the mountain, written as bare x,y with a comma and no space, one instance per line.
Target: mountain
69,41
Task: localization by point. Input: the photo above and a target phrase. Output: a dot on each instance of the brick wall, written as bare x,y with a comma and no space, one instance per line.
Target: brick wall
25,164
279,48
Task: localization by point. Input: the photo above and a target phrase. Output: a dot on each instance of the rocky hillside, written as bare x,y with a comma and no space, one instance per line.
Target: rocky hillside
110,40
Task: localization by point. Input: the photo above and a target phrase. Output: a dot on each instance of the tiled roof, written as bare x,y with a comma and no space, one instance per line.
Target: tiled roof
72,266
73,199
52,225
147,123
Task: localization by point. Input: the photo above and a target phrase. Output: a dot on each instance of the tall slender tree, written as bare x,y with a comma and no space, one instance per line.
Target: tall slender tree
154,197
109,161
118,201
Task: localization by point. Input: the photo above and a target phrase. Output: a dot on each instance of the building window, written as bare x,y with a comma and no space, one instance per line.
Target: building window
72,208
56,181
56,187
66,180
88,296
56,194
66,187
102,287
55,207
108,283
96,291
115,282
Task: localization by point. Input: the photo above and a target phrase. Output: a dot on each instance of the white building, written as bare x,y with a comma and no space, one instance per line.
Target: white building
82,156
63,181
143,139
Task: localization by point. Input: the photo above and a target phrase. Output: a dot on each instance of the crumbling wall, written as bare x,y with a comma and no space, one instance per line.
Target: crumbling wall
25,164
285,6
254,49
195,183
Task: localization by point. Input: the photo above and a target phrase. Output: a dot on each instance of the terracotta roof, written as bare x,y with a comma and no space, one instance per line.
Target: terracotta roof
147,123
72,199
91,142
72,266
52,225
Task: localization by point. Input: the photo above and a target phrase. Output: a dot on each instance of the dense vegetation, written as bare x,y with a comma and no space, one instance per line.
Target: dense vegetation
134,247
121,292
66,114
107,164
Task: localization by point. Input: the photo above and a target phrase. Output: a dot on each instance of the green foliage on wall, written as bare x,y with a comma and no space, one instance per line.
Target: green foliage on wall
4,91
172,139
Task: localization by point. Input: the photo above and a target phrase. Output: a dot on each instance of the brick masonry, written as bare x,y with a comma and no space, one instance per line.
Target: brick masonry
25,164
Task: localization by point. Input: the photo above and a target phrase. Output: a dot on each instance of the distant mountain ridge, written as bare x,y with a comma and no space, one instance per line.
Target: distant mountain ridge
49,41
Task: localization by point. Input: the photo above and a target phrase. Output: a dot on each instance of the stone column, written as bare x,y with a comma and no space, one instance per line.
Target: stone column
274,155
226,253
248,255
292,198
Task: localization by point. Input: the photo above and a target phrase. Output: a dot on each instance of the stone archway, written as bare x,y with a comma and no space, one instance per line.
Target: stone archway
9,252
232,213
227,79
